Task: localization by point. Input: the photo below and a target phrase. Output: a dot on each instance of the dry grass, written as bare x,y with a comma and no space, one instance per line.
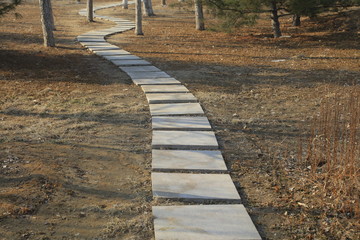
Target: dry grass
333,151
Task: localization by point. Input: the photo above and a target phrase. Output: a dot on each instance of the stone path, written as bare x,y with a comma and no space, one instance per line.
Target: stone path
182,140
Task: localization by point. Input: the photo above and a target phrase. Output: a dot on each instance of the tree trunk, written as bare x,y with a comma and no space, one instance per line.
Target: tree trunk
90,11
163,2
138,18
296,20
275,20
49,40
125,4
148,8
52,22
199,15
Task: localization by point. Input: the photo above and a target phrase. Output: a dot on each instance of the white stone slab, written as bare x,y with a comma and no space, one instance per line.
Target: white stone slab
203,222
100,48
140,69
95,44
187,160
170,98
86,39
181,123
130,63
164,109
164,89
137,75
156,81
122,57
193,186
111,52
189,140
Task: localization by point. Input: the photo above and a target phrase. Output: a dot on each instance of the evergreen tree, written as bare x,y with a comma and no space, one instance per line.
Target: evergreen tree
237,12
7,6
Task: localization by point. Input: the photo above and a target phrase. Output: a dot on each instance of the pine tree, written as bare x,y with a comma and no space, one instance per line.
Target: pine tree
7,6
237,12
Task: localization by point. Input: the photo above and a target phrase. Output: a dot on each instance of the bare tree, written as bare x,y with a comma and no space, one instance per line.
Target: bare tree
199,15
51,16
275,19
138,18
47,27
125,4
296,20
148,8
90,11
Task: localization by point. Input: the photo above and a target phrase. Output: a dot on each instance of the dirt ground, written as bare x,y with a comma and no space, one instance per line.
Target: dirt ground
261,95
75,134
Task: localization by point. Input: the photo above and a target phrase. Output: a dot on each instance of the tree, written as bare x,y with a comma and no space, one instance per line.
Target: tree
47,27
90,11
125,4
199,15
138,18
6,7
51,16
237,12
148,8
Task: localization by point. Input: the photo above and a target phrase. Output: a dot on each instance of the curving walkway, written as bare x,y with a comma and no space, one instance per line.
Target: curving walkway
186,161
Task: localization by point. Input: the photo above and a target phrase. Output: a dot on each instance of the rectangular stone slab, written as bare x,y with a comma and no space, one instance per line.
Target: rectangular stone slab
189,140
164,89
193,186
203,222
137,75
110,52
164,109
170,98
99,48
187,160
83,39
140,69
94,44
180,123
122,57
130,62
156,81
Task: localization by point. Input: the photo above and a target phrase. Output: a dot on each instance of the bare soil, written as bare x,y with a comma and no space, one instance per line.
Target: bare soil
75,134
261,95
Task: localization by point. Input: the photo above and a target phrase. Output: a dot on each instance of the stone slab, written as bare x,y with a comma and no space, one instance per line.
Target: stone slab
181,123
130,63
137,75
85,39
203,222
100,48
189,140
94,44
164,89
140,69
187,160
193,186
111,52
156,81
122,57
164,109
170,98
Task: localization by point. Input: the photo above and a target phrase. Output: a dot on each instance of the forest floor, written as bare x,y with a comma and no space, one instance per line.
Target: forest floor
75,133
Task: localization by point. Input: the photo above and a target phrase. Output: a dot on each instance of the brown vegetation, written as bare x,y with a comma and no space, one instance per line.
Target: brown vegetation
75,133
